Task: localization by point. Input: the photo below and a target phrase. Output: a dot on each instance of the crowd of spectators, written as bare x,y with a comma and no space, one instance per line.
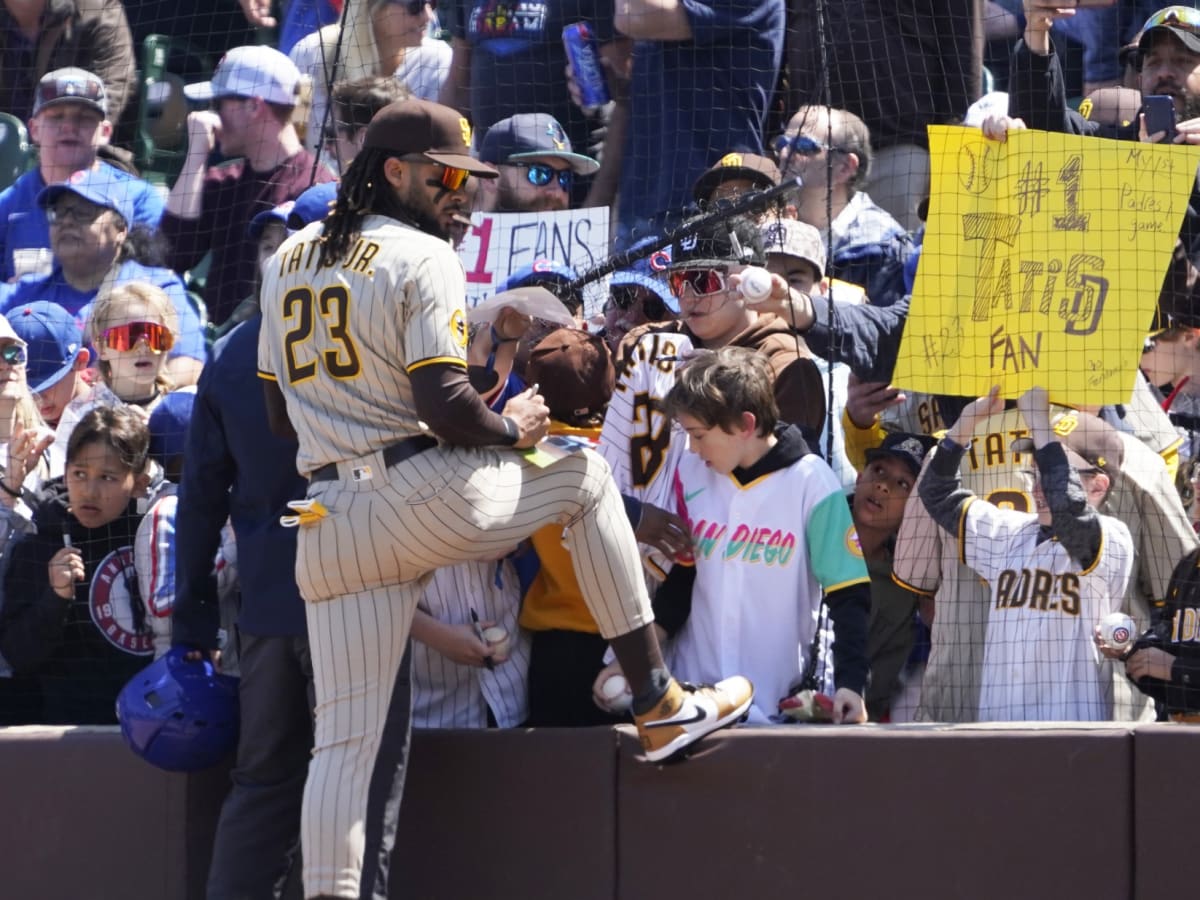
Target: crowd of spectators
115,288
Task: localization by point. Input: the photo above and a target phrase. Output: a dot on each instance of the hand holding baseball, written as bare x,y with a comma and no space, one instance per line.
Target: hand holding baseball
599,695
461,644
1107,650
760,289
65,570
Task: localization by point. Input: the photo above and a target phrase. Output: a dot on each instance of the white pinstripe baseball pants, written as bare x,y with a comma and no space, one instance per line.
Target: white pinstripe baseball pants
363,569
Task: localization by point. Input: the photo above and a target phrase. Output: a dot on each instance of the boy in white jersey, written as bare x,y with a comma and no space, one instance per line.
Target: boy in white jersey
771,530
1052,574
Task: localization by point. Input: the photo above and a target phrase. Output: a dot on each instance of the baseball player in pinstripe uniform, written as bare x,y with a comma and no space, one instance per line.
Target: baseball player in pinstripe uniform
363,349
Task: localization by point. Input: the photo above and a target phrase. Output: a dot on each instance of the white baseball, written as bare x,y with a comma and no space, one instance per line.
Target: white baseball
756,284
1118,630
615,690
497,638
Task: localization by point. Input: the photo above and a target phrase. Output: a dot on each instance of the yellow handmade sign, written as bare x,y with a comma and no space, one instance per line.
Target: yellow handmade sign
1042,262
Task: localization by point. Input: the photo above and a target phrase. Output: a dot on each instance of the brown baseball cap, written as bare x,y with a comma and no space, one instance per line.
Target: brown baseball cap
760,171
434,131
1090,442
574,371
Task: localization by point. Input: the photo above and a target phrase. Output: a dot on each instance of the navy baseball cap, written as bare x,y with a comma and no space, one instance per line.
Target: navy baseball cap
279,214
169,424
96,186
71,85
52,339
910,449
717,243
531,135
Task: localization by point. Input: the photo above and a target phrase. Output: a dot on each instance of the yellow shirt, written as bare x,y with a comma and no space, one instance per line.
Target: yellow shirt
554,600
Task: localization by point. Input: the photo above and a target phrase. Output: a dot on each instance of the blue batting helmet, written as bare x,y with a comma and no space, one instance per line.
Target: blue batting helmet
178,715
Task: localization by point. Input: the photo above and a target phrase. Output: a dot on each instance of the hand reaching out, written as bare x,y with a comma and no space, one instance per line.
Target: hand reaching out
865,400
973,414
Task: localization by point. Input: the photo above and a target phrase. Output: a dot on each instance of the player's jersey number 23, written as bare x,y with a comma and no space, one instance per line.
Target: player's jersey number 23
301,311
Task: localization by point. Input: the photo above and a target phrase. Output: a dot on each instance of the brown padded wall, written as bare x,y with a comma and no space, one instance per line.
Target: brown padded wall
880,812
831,813
1166,800
508,814
84,817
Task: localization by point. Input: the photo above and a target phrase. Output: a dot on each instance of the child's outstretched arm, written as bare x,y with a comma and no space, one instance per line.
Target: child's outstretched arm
1073,521
940,488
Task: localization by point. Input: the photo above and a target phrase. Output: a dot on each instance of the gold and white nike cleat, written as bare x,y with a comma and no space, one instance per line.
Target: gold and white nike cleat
688,712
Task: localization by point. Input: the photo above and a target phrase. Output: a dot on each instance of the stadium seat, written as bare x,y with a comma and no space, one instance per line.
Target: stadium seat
16,156
167,64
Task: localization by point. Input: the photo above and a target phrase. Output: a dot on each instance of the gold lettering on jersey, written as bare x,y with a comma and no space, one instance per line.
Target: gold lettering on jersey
360,256
293,261
1038,590
930,417
660,351
1185,626
303,256
995,449
362,265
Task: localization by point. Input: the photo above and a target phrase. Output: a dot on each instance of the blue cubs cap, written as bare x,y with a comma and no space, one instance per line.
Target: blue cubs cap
658,287
313,205
550,275
656,262
259,223
52,339
99,186
169,424
531,135
542,272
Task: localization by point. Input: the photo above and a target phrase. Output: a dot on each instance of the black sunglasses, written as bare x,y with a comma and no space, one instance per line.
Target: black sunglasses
540,174
91,89
625,298
13,354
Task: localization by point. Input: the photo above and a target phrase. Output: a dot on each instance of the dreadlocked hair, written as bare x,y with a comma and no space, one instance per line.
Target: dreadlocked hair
363,190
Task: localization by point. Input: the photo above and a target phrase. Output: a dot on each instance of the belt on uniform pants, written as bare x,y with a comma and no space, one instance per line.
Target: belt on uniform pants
393,455
1192,718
